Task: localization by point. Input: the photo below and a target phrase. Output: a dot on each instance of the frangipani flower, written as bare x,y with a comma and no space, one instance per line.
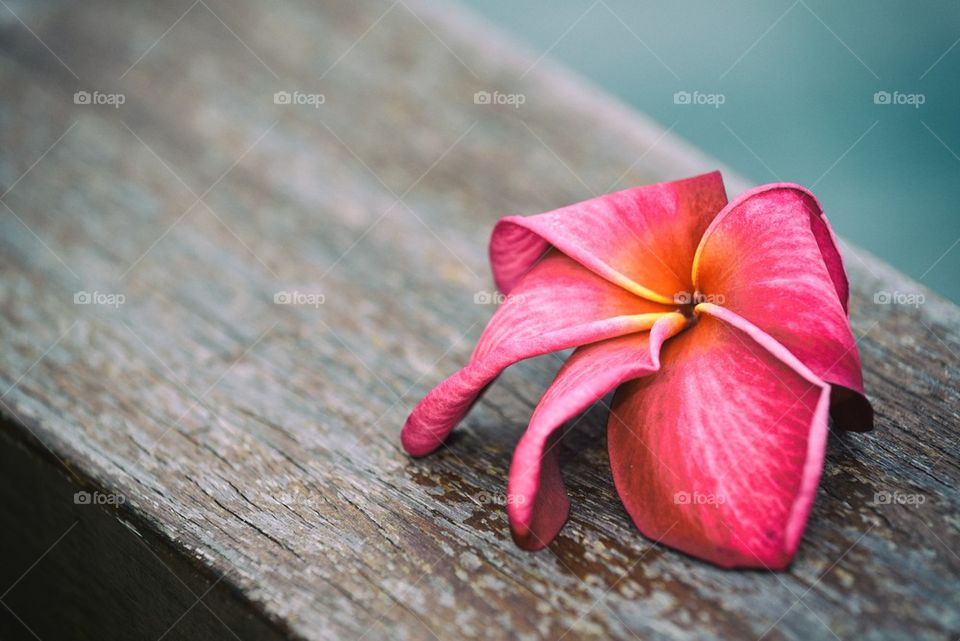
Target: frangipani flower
723,329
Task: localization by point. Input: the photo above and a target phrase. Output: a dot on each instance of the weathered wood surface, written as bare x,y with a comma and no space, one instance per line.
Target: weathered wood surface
259,442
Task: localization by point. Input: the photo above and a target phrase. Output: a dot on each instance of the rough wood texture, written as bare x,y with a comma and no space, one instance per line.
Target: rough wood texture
103,577
260,441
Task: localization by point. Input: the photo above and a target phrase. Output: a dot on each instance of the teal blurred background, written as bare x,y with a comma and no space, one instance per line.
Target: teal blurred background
798,81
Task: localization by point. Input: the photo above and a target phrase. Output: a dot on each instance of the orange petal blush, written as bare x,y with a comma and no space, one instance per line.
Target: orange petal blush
723,329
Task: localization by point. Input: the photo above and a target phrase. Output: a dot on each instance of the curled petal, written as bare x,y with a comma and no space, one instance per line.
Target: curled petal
642,239
537,502
558,305
719,454
771,257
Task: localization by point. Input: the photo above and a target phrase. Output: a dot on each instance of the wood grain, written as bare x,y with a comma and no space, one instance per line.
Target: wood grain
259,442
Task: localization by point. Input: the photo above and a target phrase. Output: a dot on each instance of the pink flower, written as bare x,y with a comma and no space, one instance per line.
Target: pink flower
723,328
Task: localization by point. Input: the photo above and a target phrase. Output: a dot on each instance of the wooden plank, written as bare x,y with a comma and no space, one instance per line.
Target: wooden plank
97,574
260,441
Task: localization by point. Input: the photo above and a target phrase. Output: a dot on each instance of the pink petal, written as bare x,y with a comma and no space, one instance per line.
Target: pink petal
537,501
643,238
558,305
719,454
770,256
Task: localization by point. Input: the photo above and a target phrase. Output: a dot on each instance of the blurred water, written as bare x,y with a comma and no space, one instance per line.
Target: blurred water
798,81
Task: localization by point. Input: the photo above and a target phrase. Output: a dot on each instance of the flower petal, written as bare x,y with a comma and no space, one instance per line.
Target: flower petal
643,238
719,454
771,257
558,305
537,501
